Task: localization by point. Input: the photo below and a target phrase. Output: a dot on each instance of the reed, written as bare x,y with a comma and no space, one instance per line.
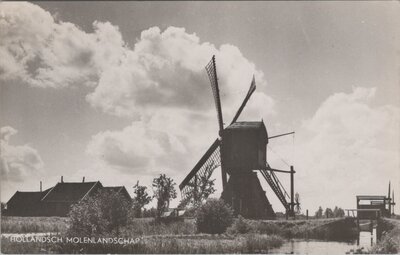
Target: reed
33,224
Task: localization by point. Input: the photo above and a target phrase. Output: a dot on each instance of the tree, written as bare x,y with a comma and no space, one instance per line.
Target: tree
318,213
164,191
214,217
140,199
338,212
103,213
201,188
328,213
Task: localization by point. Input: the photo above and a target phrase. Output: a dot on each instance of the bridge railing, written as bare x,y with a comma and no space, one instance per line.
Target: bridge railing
364,213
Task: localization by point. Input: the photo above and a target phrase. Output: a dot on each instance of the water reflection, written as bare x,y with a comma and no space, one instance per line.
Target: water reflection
298,246
314,247
367,238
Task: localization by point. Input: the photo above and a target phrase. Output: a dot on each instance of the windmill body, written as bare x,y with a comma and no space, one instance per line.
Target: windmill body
243,149
244,146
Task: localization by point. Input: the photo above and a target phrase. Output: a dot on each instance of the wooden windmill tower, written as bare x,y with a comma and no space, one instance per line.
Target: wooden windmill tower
240,150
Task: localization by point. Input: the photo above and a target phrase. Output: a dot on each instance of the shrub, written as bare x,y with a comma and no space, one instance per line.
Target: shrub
239,226
102,213
149,213
213,217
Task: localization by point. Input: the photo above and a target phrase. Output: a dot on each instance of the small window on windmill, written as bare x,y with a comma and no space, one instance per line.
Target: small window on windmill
243,146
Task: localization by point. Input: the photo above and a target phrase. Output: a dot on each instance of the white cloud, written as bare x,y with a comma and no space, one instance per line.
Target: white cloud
163,143
40,51
349,147
160,81
17,161
164,68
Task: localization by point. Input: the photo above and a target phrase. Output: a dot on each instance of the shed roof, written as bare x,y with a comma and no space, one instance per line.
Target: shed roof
367,197
115,189
119,189
69,191
26,197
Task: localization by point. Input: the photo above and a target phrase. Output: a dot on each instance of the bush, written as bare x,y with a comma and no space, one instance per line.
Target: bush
149,213
240,226
213,217
103,213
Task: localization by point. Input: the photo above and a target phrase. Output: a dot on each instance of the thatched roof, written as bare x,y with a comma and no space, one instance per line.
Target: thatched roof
69,191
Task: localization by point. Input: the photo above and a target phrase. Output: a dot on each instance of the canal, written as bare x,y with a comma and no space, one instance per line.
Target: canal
301,246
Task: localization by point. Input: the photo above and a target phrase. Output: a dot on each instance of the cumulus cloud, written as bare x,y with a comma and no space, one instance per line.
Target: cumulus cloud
17,161
164,68
136,147
348,145
160,81
163,143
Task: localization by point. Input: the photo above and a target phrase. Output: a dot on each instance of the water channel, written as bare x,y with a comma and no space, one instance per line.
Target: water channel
300,246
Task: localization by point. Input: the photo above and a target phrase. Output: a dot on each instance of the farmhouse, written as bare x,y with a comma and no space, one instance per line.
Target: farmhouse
57,200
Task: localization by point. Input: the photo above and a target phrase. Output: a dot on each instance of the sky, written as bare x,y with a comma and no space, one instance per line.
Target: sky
117,92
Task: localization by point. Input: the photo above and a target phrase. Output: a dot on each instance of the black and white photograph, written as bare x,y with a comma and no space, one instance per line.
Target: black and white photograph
200,127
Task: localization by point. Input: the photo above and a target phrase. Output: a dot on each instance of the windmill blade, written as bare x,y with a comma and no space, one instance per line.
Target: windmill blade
249,93
212,75
206,165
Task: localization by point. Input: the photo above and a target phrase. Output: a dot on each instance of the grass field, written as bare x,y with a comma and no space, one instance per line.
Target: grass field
175,237
33,224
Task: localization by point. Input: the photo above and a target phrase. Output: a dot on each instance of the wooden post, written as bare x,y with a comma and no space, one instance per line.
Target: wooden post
40,186
307,214
358,224
292,190
372,234
224,178
393,202
389,201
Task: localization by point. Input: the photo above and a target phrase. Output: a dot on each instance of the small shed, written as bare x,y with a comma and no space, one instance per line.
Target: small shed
25,203
366,204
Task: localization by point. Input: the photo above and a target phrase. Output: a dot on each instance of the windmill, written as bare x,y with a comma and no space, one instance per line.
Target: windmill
240,151
297,203
390,202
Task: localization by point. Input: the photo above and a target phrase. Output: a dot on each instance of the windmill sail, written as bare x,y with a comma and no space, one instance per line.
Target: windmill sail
206,165
212,75
249,93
